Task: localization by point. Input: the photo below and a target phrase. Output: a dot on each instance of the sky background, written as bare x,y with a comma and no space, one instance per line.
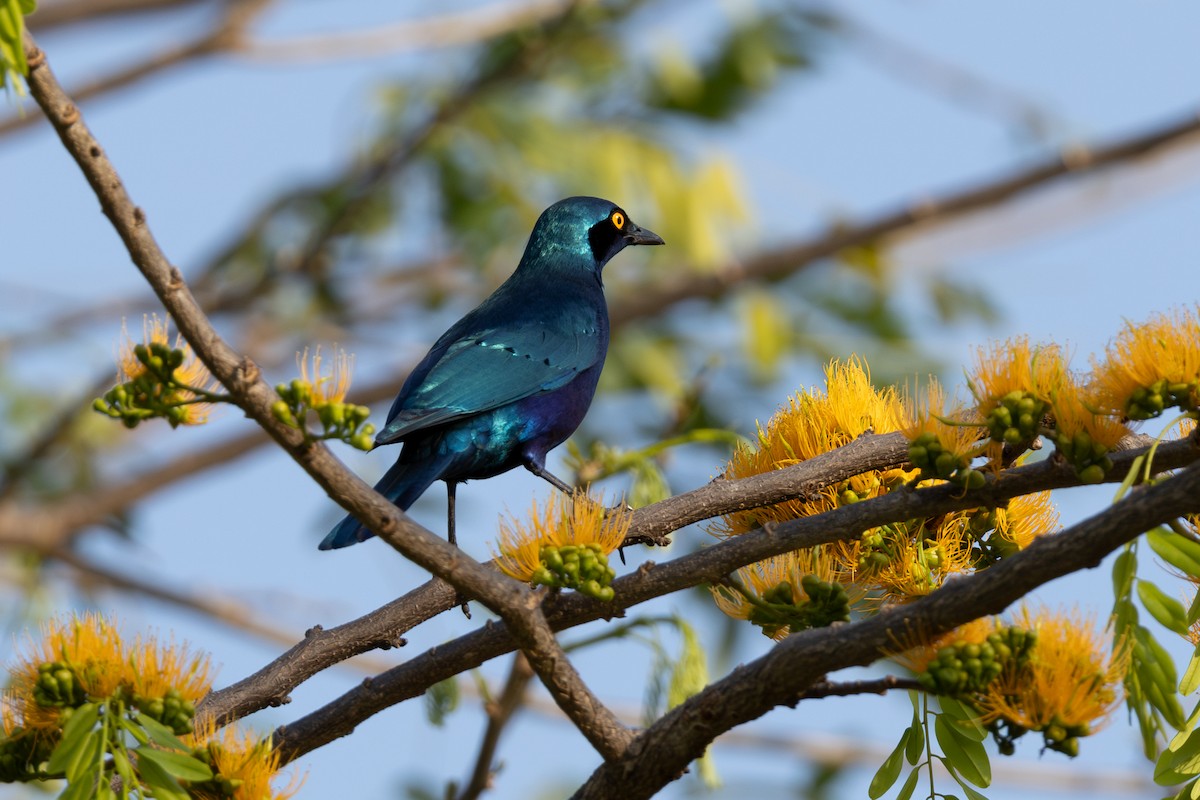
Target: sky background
201,148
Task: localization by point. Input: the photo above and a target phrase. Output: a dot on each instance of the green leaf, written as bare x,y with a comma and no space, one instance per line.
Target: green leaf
1122,574
915,747
1193,613
964,718
181,766
74,738
966,755
158,780
1168,611
910,783
1179,763
1191,676
158,733
1178,551
889,771
441,699
81,789
972,794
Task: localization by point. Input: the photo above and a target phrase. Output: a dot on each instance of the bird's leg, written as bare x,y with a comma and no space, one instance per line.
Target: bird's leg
558,483
451,486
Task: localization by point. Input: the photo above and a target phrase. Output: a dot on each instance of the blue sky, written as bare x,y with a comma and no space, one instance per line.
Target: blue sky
201,148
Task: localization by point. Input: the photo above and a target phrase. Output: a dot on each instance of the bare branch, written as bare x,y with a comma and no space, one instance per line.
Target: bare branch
499,712
447,30
226,34
71,12
773,265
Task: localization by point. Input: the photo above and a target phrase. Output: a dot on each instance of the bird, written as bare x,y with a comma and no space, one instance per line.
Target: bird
512,379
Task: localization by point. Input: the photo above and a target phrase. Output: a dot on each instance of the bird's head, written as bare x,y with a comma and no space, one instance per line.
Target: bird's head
588,229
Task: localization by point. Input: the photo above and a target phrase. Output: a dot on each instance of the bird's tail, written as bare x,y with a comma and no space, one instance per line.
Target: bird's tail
402,484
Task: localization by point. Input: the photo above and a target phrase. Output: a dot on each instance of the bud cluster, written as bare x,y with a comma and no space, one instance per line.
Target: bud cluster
1088,456
155,391
927,453
1147,402
343,421
821,604
583,568
1016,418
968,668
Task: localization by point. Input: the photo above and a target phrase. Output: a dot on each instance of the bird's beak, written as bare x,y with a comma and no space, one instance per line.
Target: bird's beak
635,234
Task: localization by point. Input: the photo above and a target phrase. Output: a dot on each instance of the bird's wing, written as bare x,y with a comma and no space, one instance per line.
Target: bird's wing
489,369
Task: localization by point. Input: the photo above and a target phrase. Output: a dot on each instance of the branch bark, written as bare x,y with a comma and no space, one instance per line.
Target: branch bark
516,604
663,751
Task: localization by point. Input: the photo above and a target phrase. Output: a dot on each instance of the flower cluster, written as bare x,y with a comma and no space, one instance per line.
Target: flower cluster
565,545
889,564
323,393
787,593
82,689
159,378
1044,672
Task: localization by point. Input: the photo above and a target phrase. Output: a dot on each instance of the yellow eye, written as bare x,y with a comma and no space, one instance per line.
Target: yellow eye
618,220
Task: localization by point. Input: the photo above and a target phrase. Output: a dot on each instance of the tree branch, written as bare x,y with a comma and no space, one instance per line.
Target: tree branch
224,35
412,678
793,666
516,604
499,713
774,265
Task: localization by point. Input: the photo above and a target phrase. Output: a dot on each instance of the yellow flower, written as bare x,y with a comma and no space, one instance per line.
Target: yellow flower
242,762
919,651
1072,680
157,670
940,448
1151,366
330,387
575,521
1013,383
1027,517
88,646
905,561
191,372
782,602
1082,434
84,658
816,422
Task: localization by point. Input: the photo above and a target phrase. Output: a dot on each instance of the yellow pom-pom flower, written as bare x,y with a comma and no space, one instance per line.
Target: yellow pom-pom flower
816,422
565,544
1013,383
1152,366
244,765
788,593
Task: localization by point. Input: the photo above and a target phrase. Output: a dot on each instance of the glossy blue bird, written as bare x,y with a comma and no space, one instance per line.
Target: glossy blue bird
512,379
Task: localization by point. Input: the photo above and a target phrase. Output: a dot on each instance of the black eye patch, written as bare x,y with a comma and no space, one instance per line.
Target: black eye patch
602,236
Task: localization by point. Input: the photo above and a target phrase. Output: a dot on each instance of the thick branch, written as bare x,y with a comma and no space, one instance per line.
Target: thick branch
794,666
499,712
